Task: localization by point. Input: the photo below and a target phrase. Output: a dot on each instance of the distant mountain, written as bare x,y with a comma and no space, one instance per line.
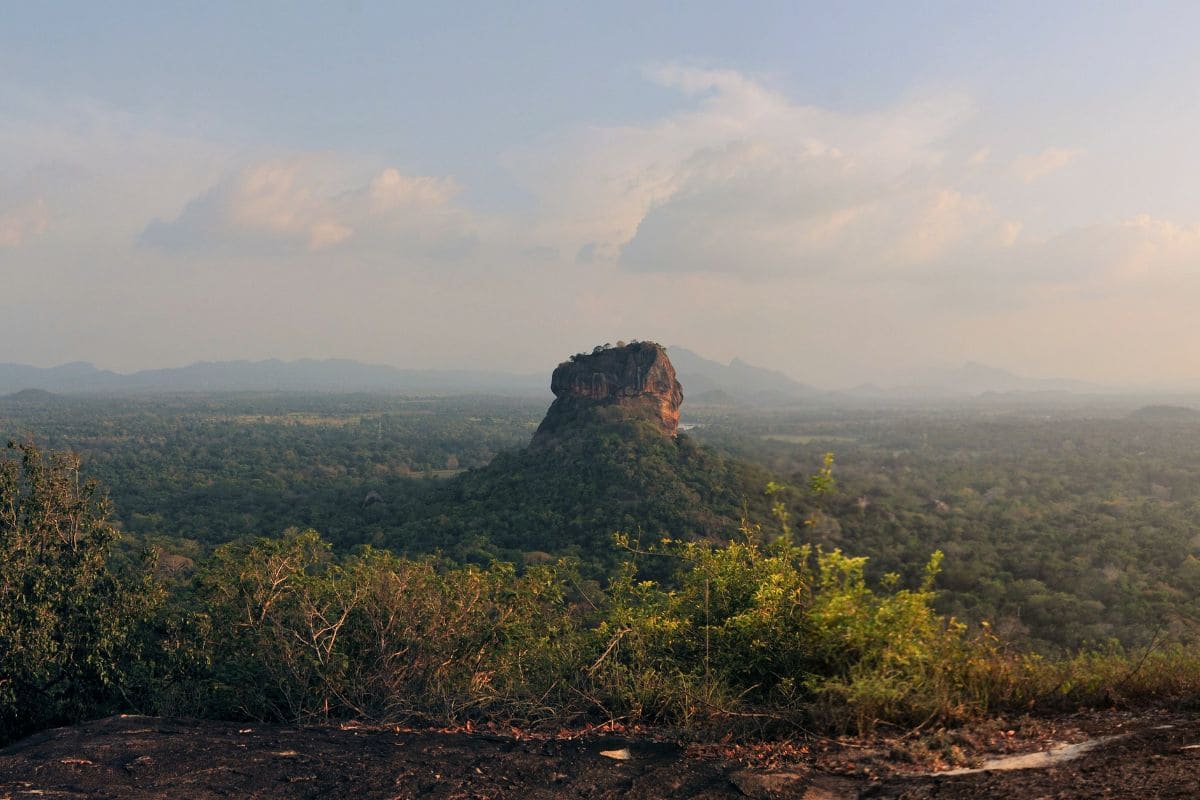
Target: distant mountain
77,376
973,379
713,397
31,396
328,375
1166,413
736,380
976,378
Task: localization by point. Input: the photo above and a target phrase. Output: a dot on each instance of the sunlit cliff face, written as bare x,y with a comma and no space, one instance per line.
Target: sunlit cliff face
637,378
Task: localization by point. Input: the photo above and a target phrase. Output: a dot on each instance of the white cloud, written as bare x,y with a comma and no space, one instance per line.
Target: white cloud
979,157
824,242
101,172
763,213
20,223
1139,254
267,200
748,182
391,190
1031,167
313,203
1116,304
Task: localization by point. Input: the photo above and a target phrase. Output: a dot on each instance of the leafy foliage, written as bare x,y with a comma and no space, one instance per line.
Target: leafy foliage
738,637
69,624
192,472
568,493
1062,528
1073,534
287,631
790,629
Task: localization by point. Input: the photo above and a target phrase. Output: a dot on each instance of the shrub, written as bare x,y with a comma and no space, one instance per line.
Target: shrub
70,625
785,632
288,632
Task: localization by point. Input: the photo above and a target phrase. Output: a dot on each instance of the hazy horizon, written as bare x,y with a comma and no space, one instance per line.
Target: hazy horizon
836,193
935,378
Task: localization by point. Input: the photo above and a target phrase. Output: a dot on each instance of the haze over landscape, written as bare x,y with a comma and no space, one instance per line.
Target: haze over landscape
554,400
850,195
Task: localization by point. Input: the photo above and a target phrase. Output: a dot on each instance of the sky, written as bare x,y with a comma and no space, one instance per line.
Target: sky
848,192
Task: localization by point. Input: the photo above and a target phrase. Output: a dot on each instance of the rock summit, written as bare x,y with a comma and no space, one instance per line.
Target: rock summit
637,379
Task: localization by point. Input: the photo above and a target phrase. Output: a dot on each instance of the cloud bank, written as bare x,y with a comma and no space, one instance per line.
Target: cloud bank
829,243
22,222
305,204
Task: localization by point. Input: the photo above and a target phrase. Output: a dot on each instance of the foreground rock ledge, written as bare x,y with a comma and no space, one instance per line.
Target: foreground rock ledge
145,757
137,758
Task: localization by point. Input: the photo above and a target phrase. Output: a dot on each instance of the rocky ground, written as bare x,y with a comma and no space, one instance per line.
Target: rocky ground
1149,755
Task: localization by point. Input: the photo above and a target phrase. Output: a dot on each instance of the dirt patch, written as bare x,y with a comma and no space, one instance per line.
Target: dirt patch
1146,758
1152,755
139,758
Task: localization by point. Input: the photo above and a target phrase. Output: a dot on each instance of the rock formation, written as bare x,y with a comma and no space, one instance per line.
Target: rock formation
637,379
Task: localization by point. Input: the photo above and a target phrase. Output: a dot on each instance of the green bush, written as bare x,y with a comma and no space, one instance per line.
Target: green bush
747,636
784,635
283,630
784,629
71,627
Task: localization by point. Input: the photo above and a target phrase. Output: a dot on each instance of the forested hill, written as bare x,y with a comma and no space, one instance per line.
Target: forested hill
606,458
570,493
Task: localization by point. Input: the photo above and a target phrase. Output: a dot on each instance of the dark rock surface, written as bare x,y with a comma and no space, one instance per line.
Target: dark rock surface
636,378
147,758
1157,759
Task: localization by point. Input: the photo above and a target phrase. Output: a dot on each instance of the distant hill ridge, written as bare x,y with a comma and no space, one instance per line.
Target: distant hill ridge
737,379
708,382
973,379
321,375
1163,412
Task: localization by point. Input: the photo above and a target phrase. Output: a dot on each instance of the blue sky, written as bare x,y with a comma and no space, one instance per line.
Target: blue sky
843,191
